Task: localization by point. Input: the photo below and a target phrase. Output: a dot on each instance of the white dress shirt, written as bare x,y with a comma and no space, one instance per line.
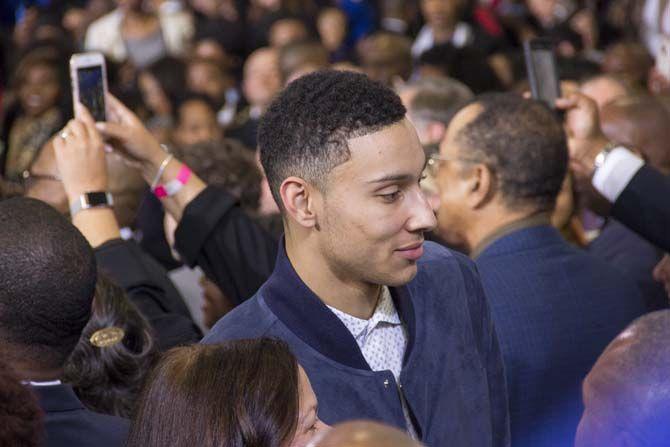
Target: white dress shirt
382,340
616,172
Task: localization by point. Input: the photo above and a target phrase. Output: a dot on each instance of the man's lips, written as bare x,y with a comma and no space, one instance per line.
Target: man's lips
411,252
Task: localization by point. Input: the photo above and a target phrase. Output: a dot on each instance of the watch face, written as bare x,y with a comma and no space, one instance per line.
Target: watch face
97,198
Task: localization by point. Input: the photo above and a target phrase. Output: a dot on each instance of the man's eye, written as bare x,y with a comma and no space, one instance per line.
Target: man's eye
390,198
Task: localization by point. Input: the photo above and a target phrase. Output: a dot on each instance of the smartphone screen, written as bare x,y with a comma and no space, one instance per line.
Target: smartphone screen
90,82
542,73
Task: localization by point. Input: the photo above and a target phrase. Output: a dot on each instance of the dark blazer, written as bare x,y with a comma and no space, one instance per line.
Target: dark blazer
633,256
555,309
452,376
644,206
68,424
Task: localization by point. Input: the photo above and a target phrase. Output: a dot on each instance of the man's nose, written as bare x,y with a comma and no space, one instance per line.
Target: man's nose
423,216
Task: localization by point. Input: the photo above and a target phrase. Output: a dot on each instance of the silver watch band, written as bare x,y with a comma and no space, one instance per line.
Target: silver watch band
90,200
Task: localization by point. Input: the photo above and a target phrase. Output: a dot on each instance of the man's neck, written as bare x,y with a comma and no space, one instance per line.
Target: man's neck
484,231
355,298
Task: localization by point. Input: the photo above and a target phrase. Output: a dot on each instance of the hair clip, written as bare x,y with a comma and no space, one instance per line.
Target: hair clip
106,337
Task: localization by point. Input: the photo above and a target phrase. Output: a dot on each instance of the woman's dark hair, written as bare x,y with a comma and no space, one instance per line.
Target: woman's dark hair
170,72
241,393
229,164
109,379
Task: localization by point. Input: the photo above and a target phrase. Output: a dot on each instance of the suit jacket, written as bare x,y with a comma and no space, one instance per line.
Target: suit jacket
68,424
633,256
555,309
644,206
452,375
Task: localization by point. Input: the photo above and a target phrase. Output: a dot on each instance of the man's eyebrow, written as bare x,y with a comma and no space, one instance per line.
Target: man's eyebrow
393,178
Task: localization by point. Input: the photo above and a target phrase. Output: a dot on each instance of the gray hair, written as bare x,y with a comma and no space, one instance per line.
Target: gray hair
437,99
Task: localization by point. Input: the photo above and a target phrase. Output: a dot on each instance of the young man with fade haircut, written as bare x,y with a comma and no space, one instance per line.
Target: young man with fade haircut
386,326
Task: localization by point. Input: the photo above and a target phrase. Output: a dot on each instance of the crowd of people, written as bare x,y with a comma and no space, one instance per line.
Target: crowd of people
335,223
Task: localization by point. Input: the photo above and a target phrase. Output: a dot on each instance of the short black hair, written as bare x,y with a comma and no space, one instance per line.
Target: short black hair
523,142
47,281
305,130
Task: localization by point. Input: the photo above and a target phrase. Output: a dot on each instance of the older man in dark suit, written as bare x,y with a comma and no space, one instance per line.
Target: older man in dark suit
500,168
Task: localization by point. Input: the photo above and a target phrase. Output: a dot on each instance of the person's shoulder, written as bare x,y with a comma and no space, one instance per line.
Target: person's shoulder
437,257
102,430
250,319
440,266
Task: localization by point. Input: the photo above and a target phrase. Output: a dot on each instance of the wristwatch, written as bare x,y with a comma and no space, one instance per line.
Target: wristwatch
602,155
96,199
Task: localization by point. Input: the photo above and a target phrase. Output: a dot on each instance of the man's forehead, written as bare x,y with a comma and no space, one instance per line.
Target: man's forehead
391,148
464,117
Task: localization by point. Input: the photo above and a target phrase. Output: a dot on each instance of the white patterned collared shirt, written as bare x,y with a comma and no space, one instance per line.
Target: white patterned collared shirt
382,340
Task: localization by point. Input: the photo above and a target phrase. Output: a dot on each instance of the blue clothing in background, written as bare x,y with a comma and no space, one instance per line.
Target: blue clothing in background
555,308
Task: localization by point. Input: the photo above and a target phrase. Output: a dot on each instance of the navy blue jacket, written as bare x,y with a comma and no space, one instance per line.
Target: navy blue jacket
452,375
633,256
555,308
68,424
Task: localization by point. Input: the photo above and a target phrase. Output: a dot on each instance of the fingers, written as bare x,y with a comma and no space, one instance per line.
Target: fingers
83,114
76,130
576,100
118,111
112,130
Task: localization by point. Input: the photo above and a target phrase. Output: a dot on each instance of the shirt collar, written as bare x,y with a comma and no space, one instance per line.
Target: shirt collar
385,312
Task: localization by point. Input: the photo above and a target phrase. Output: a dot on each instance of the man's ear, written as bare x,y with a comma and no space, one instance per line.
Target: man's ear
481,186
298,200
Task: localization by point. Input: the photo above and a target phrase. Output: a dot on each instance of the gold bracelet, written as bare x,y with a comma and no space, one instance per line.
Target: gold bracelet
161,170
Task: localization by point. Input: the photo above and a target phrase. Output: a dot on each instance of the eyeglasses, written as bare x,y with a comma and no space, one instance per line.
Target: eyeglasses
434,163
28,179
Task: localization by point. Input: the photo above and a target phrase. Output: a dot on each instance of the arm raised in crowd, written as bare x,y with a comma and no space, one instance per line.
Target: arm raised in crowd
213,231
81,162
639,194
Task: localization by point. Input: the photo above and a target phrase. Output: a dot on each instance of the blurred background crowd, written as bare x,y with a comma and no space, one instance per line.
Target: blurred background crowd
200,74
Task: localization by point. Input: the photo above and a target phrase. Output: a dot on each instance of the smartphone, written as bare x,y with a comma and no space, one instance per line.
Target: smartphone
663,58
542,70
89,82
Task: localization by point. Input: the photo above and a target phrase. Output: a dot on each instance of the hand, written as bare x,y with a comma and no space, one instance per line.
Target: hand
585,137
662,273
80,156
139,147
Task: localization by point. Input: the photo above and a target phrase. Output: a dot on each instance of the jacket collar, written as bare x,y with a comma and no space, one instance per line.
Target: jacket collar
301,310
525,238
55,398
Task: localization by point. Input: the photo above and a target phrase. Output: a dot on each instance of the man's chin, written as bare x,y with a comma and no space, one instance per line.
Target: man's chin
402,277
